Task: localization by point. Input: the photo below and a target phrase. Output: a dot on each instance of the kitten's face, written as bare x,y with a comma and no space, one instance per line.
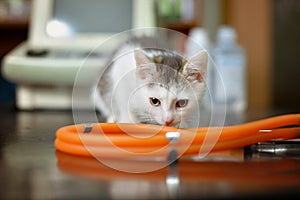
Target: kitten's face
166,93
167,106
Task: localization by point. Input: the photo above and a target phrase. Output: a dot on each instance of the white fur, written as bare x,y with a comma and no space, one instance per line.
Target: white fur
130,98
122,75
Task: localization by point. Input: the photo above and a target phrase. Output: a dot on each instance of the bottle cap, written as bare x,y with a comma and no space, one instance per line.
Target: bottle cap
226,34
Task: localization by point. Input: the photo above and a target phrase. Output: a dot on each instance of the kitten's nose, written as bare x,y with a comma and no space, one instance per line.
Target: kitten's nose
169,122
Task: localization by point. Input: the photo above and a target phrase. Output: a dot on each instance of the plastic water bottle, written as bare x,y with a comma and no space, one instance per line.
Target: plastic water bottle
229,77
198,40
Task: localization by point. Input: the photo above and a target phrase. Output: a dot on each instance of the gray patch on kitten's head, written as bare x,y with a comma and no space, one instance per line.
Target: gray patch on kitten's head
169,68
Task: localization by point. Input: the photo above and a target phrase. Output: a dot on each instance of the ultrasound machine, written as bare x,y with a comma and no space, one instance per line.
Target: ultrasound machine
64,36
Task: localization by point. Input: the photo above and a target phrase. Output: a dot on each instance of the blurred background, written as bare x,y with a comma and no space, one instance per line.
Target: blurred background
268,30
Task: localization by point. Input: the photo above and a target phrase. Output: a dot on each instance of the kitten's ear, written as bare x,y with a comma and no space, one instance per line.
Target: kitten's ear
145,68
196,67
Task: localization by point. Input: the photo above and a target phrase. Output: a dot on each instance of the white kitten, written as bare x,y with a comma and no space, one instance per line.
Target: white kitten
142,84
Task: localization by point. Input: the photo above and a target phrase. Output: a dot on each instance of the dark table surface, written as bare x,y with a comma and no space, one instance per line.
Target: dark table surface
31,168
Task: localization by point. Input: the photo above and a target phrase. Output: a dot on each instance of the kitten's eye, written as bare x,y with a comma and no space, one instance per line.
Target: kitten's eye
181,103
154,101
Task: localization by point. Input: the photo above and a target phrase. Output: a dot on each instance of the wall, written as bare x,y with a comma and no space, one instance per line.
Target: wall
253,22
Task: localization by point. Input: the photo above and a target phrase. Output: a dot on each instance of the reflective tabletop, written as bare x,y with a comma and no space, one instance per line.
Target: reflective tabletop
31,168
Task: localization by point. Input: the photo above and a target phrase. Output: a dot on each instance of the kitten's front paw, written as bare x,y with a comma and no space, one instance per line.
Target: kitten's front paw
110,119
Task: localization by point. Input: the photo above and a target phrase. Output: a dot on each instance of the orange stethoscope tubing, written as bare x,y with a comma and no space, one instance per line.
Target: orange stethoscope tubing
106,139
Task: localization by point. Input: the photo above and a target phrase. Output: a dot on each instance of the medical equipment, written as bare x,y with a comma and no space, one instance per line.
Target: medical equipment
60,41
134,141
